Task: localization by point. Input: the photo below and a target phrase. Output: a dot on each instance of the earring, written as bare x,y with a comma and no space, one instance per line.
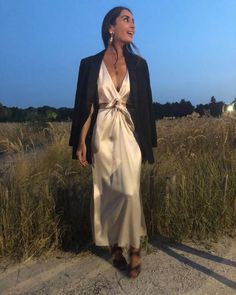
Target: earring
111,38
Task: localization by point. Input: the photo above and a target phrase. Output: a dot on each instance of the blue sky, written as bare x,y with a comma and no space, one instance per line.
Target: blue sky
190,47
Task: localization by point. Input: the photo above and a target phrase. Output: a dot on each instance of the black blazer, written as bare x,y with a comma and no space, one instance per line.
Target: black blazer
140,97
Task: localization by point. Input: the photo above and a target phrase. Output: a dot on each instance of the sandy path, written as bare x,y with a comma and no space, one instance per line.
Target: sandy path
167,268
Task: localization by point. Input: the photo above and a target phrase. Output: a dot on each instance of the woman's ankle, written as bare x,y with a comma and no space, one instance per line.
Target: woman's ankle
133,249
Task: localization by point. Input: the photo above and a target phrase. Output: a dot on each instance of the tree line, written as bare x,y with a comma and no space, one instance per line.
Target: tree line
47,113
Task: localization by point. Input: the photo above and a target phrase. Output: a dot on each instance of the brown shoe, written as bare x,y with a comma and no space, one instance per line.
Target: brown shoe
119,260
134,271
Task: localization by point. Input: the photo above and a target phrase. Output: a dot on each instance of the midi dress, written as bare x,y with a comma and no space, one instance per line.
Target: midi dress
116,206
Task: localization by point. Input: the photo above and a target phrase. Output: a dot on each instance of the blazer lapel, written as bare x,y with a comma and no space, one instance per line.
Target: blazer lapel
131,65
93,76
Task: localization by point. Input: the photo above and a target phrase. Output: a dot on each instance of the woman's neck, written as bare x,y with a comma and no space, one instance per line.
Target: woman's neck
111,50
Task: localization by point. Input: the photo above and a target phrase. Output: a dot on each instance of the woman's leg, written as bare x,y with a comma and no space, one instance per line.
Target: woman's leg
135,262
119,260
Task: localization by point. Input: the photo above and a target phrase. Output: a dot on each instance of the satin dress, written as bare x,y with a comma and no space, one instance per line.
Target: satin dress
116,207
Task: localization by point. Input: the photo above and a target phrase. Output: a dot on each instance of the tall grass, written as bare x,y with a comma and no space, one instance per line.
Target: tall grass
189,192
26,137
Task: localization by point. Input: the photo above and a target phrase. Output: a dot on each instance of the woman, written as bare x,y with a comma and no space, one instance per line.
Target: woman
113,129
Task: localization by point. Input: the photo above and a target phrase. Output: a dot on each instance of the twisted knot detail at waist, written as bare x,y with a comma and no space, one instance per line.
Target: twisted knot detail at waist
119,106
116,103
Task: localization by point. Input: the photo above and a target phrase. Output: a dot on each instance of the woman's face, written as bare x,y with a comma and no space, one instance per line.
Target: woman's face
124,28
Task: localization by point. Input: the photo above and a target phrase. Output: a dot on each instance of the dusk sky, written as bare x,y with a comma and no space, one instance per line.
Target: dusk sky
189,45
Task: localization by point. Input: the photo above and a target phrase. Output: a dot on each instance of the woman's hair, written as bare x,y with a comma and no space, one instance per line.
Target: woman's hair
110,19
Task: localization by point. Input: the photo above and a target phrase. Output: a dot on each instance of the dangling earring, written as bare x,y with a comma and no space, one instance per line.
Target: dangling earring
111,38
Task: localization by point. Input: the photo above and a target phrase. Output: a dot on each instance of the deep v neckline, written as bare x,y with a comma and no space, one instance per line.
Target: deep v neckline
112,80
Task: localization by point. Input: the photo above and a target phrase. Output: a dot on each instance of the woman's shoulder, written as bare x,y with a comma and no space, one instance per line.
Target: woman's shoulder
138,59
91,58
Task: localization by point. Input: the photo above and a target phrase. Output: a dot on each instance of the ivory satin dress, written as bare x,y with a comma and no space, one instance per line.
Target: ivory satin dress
116,207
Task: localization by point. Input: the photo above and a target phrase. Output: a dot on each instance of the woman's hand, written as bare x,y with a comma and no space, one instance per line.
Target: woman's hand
81,154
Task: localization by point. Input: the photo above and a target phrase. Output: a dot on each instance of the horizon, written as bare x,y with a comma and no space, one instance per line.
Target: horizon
163,103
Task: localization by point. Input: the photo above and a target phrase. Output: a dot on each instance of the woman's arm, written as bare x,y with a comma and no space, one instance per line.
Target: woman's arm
150,106
81,150
86,126
78,102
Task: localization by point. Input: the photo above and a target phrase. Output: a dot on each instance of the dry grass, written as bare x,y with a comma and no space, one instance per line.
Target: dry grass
191,191
45,197
26,137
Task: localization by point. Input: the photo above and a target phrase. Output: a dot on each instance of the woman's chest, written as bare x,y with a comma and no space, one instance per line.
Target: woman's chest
116,72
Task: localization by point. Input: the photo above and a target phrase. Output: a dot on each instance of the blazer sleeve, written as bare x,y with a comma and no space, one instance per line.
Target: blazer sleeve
150,106
77,103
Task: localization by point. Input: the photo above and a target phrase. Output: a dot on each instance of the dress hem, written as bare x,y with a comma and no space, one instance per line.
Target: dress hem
119,244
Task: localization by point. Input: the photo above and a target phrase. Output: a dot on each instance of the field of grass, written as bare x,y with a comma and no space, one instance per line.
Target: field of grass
189,193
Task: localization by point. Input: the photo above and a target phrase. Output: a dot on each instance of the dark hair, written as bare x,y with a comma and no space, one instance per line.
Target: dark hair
110,19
